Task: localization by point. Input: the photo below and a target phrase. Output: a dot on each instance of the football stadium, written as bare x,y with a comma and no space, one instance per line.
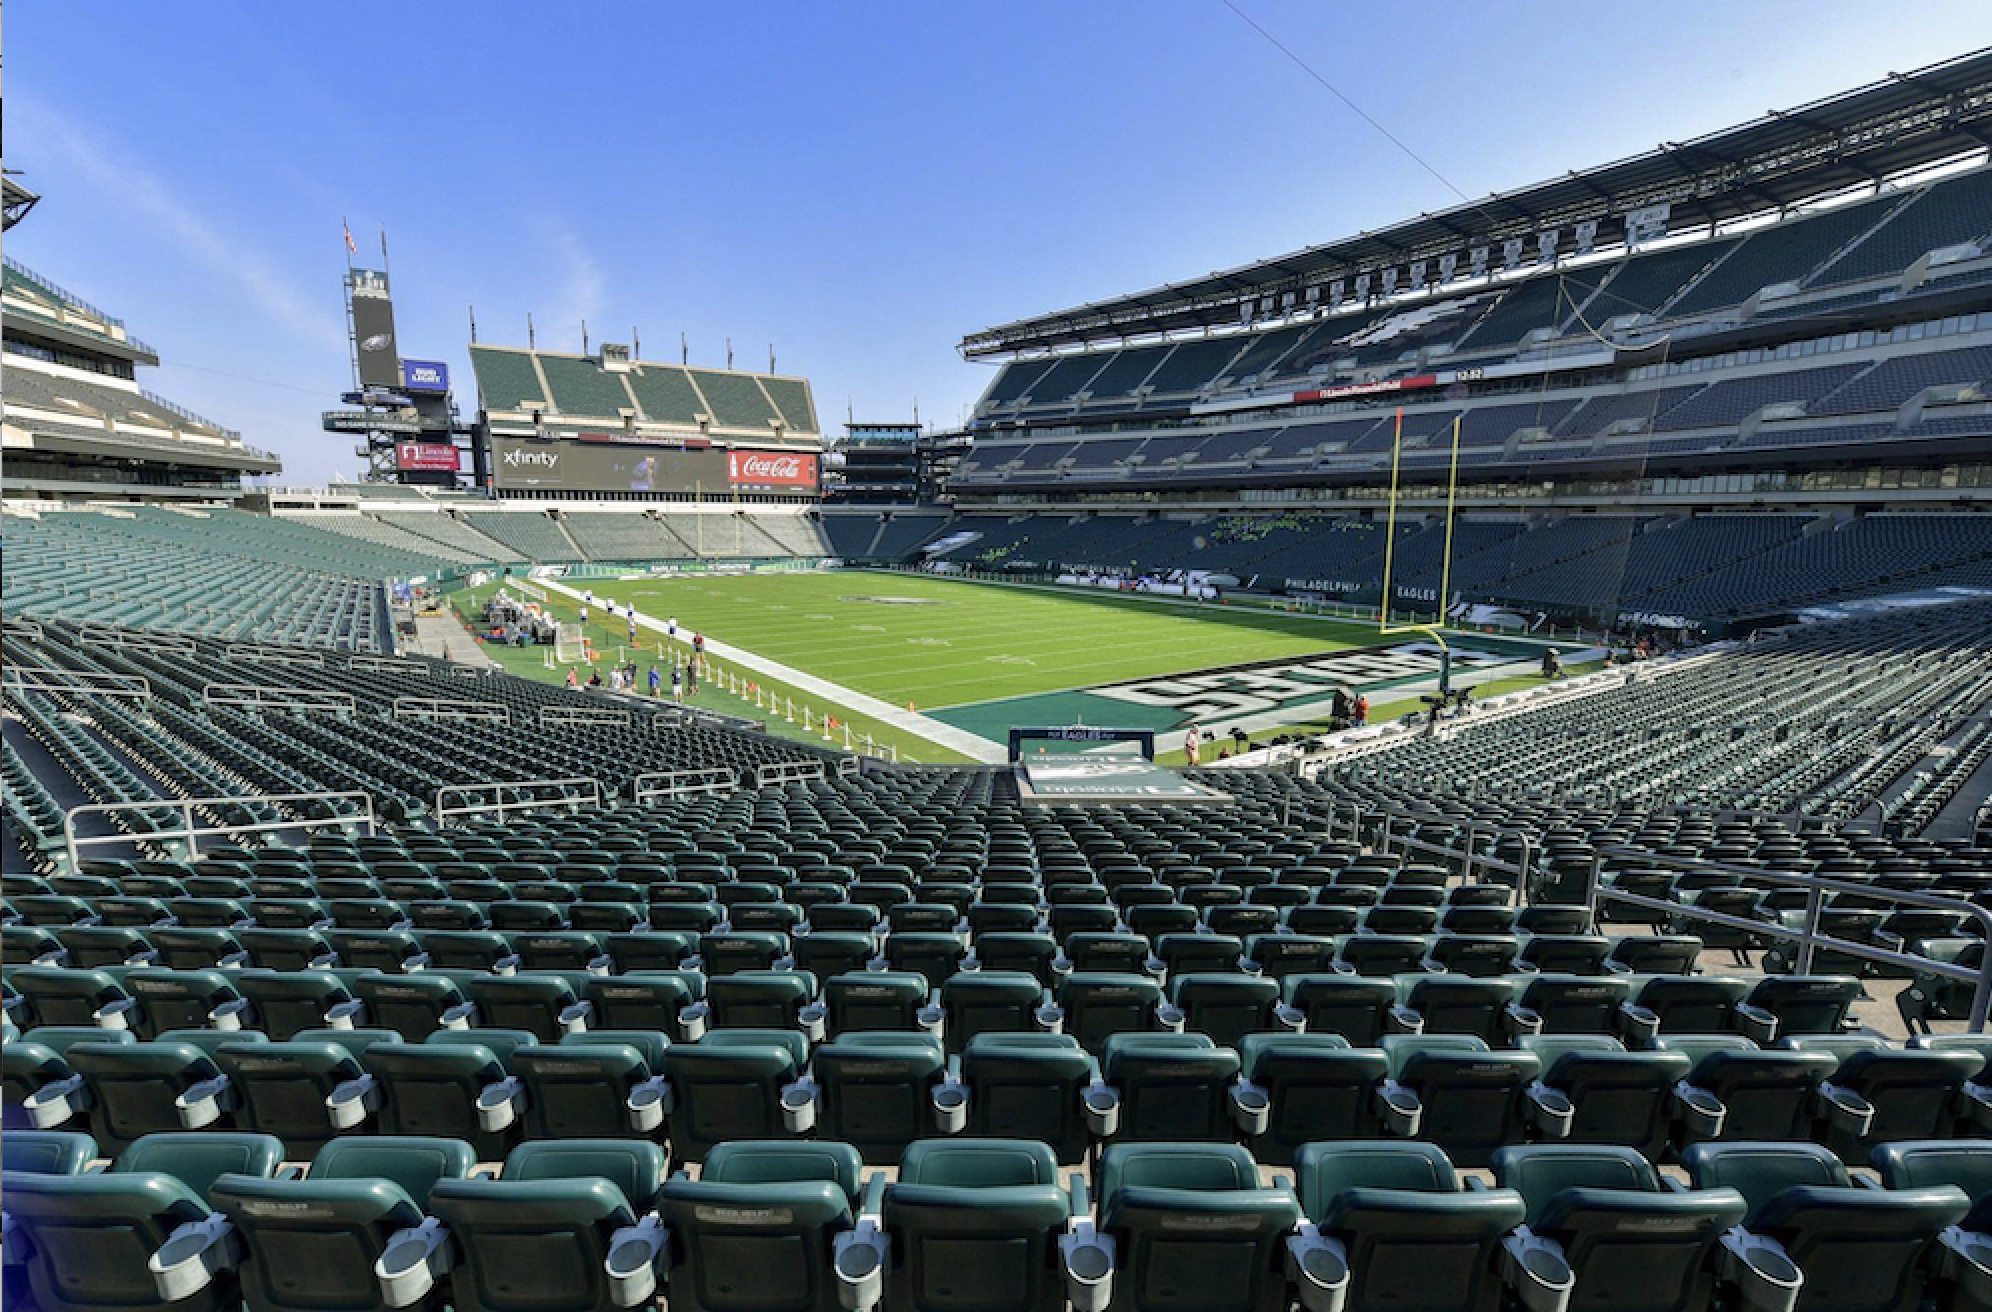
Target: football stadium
1445,770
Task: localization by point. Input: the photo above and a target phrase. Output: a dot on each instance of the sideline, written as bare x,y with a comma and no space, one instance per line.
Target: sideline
974,746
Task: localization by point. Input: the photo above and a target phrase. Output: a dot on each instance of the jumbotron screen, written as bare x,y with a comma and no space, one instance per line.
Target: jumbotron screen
582,466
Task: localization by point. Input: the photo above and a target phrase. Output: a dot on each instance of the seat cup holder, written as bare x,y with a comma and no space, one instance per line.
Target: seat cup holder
1538,1272
931,1018
1701,1111
1319,1270
54,1103
1765,1277
499,1104
692,1021
1400,1108
799,1108
951,1107
1847,1111
191,1257
812,1020
646,1105
1251,1108
1089,1272
408,1267
1967,1263
1552,1111
1103,1109
860,1268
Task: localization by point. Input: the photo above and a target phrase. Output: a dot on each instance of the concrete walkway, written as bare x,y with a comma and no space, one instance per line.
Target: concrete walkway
433,633
973,746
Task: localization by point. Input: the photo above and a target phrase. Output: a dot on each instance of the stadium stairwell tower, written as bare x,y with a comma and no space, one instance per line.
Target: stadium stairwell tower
406,418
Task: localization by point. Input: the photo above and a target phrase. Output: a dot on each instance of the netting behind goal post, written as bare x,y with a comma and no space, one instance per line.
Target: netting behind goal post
570,644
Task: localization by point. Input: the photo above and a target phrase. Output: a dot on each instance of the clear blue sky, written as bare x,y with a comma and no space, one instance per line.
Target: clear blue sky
858,183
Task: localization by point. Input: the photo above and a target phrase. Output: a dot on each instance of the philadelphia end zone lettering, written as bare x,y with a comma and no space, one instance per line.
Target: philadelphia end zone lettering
1269,685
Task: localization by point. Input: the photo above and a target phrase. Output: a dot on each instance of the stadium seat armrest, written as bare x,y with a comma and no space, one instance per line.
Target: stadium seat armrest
1081,1202
352,1101
1318,1269
202,1104
56,1102
1760,1271
1537,1270
638,1261
412,1261
192,1256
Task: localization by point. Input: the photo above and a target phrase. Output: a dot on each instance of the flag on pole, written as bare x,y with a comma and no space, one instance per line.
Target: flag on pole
351,249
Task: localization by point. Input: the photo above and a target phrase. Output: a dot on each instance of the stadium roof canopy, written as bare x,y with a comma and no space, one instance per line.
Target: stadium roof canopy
1906,121
18,200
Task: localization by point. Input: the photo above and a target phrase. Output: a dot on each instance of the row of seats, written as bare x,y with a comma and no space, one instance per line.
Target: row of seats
888,1076
211,1223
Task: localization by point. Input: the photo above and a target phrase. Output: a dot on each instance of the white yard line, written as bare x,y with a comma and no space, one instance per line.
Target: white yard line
973,746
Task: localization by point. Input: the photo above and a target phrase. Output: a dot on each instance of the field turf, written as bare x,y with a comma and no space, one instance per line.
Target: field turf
941,642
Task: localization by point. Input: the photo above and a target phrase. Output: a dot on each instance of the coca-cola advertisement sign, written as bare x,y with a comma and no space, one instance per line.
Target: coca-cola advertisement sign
427,456
771,468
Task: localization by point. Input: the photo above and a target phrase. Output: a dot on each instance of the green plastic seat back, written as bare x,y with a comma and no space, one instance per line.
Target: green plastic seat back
133,1085
1348,1005
978,1163
728,1090
1538,1172
1635,1251
524,1244
1018,952
828,953
1458,1004
1174,1087
1225,1006
758,998
1472,1100
754,1246
414,1162
1914,1094
874,1000
637,1002
1693,1004
1215,1249
651,1045
177,999
988,1002
1862,1250
1413,1251
784,1161
431,1089
1324,1170
965,1246
1027,1086
876,1090
196,1158
46,1152
311,1244
410,1005
636,1168
1101,1003
577,1091
281,1088
87,1238
1769,1095
57,996
1807,1004
1574,1004
523,1002
1175,1166
1761,1171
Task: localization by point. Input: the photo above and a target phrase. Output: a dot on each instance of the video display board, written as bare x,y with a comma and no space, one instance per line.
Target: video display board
597,466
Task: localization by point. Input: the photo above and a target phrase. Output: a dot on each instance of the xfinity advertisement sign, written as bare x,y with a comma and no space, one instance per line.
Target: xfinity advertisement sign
601,466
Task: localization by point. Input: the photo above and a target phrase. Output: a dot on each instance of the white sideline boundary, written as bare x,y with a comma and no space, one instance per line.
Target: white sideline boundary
973,746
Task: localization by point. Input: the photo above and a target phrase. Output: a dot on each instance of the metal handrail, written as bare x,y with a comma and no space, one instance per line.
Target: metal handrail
444,708
45,678
193,833
660,784
788,772
1469,855
557,715
1809,937
446,808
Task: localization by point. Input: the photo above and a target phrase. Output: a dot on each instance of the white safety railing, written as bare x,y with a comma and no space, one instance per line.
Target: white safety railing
555,717
386,665
455,802
191,830
443,708
22,629
169,644
648,789
262,697
273,655
788,772
47,678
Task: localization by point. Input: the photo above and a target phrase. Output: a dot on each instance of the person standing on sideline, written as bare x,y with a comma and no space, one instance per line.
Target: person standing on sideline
632,626
677,682
656,681
671,630
1192,743
572,682
1360,712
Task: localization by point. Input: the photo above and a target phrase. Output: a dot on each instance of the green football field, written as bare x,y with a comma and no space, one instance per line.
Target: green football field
941,642
985,657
